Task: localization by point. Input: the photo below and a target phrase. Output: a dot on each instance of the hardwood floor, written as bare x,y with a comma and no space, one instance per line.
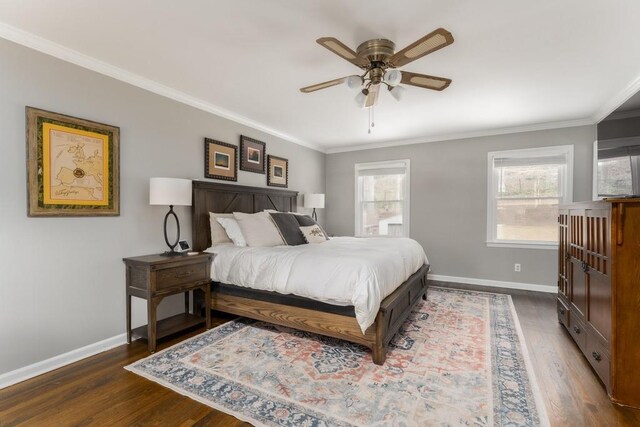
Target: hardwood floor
573,394
98,391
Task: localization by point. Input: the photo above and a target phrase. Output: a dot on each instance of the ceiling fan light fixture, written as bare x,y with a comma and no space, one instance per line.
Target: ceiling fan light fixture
361,98
397,92
354,82
392,77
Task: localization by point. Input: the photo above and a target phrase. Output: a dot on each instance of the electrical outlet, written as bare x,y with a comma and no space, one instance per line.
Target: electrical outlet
516,267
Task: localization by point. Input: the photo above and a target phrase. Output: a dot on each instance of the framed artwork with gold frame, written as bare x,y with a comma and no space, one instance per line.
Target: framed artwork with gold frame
277,171
220,160
73,166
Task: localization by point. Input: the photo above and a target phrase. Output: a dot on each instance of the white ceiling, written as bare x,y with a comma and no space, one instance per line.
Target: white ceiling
514,64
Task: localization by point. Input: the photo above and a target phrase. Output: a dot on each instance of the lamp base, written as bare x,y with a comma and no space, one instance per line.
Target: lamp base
171,252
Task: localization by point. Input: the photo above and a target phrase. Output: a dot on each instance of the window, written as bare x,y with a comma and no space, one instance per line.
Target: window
617,163
382,198
525,188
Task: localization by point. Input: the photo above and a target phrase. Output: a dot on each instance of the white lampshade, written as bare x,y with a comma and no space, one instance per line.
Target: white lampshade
354,82
314,200
392,77
170,191
360,99
397,92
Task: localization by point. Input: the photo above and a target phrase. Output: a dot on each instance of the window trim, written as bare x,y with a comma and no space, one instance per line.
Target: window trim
492,241
406,205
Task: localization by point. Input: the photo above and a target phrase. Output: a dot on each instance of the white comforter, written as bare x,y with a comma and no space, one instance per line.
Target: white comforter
342,271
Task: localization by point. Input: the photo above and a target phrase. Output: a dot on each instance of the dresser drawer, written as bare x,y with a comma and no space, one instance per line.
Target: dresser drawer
598,357
172,277
563,313
578,331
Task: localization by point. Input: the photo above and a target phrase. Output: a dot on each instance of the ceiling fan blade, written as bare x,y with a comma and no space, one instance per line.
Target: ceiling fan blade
430,43
424,81
323,85
372,96
342,50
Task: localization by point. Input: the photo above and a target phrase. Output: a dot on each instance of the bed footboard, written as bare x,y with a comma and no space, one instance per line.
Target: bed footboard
395,309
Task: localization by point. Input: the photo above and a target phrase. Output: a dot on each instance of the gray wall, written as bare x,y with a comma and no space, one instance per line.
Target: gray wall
449,201
62,279
612,128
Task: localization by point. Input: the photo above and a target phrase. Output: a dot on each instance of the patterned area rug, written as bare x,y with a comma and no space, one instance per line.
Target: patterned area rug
460,359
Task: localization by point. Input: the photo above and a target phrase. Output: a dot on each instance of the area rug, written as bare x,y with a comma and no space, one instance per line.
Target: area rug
460,359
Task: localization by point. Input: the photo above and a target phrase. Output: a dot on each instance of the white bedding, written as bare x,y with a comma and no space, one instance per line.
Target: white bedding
342,271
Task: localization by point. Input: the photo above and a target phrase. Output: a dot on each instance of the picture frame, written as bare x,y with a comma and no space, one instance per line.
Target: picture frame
277,171
252,155
220,160
73,166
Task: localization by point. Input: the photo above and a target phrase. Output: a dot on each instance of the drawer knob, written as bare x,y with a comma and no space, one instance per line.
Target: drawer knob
562,311
183,274
576,330
596,356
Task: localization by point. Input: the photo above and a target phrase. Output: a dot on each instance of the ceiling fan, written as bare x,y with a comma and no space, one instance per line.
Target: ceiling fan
380,63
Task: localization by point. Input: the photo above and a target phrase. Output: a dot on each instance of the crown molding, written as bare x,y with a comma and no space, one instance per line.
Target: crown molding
56,50
463,135
632,88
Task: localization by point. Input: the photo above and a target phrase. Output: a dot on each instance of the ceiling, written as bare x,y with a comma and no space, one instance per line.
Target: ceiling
515,65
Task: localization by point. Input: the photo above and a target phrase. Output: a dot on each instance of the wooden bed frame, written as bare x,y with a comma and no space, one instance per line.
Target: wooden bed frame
296,312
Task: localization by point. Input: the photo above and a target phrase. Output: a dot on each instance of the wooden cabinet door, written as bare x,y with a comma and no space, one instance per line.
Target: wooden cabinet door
597,256
577,286
563,254
578,291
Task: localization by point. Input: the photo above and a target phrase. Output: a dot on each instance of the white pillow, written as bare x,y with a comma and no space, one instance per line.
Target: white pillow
313,234
218,235
232,228
259,229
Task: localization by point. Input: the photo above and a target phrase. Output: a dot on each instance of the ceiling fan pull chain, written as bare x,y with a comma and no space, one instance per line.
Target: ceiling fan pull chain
373,116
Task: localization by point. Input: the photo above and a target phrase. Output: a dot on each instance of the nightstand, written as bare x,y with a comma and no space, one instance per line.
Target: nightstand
154,277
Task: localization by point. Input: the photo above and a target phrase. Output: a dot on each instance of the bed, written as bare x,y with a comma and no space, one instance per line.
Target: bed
298,312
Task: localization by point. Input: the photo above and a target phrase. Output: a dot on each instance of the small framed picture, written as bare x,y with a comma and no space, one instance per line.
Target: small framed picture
252,157
277,171
220,160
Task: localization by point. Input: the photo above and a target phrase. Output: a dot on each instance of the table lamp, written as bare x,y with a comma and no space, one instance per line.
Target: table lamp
171,192
313,201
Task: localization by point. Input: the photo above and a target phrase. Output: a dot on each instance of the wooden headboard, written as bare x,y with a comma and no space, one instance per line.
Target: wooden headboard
227,198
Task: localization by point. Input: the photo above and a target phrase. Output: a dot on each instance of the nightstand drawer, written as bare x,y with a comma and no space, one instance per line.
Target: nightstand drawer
171,277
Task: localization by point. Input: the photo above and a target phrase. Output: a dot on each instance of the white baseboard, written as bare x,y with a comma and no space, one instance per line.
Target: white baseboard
59,361
495,283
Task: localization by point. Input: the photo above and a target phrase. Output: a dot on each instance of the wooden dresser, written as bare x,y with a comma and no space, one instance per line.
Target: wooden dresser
599,290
